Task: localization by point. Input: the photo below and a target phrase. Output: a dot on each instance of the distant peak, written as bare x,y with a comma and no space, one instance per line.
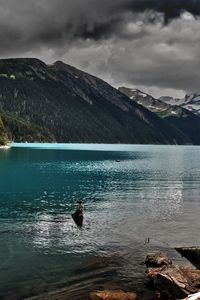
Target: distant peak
59,63
63,66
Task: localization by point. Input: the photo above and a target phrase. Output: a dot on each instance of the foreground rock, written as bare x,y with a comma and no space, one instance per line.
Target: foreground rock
173,282
192,254
157,259
193,297
112,295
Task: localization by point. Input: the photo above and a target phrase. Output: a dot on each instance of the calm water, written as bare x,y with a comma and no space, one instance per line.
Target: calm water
130,192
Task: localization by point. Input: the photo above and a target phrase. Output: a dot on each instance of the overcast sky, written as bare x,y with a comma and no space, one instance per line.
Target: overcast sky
153,45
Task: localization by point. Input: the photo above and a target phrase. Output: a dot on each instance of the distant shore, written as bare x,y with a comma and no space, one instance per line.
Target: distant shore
5,146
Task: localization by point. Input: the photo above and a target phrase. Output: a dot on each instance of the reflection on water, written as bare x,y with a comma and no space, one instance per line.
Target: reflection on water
131,193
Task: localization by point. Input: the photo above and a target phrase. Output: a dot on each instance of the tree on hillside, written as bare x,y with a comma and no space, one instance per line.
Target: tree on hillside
3,134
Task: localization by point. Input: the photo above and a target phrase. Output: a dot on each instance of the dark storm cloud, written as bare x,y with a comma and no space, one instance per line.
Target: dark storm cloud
141,42
27,25
36,22
170,8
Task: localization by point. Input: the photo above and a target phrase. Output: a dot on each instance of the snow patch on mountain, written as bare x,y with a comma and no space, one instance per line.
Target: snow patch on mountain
191,102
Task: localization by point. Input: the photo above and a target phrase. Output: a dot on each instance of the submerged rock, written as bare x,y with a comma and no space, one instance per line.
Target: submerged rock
112,295
192,254
112,260
157,259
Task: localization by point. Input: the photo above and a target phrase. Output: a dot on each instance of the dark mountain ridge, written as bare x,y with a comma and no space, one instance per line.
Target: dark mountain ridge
78,107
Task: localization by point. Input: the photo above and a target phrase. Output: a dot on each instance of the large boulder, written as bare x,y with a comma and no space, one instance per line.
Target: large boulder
174,282
157,259
112,295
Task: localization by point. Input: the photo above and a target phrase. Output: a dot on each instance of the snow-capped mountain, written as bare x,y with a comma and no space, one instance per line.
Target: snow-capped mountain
191,102
177,112
155,105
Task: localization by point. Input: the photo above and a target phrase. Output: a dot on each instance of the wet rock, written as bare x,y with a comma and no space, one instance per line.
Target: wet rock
173,281
192,254
112,295
157,259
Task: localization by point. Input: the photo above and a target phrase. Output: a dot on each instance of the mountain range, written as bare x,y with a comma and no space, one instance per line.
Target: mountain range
40,102
190,102
171,110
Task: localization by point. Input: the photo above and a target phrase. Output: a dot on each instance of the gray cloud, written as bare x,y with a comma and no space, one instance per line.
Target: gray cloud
37,22
153,44
164,60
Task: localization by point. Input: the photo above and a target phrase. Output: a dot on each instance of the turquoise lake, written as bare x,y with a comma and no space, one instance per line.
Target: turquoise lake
131,193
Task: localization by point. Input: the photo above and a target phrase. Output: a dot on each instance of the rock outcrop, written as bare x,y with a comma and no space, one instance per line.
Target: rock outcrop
157,259
172,281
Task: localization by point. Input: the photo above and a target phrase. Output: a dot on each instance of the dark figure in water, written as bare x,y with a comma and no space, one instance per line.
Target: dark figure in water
78,215
147,241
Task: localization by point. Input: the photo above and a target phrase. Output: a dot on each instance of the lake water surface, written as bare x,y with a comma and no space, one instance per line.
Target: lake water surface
131,193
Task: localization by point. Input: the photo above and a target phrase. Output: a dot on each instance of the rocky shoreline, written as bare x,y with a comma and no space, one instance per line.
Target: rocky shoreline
170,280
164,280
